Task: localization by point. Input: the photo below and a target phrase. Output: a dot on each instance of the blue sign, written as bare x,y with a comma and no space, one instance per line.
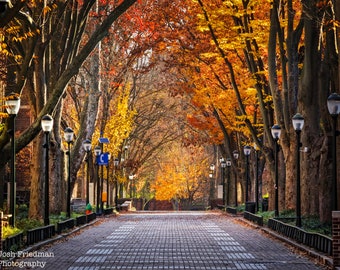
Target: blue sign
103,159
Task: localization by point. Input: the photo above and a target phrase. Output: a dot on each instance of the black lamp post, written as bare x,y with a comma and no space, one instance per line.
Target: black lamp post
115,164
12,103
333,104
68,136
87,147
276,132
47,125
298,122
256,177
228,163
223,165
107,181
247,150
97,152
235,155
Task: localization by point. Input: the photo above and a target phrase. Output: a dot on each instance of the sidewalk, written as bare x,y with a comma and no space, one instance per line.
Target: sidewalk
167,240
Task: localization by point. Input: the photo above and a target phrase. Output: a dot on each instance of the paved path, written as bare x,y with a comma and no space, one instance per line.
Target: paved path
176,240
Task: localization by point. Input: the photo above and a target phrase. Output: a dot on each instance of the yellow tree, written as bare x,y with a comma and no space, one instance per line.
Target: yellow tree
182,178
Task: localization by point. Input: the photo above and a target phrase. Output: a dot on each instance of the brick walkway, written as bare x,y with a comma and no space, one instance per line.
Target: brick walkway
176,240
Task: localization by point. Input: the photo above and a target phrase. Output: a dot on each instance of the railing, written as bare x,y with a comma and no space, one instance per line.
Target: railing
314,240
253,218
108,211
39,234
65,225
13,242
91,217
81,220
231,210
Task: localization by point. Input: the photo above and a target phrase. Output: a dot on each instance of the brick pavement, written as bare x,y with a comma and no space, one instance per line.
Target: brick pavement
173,240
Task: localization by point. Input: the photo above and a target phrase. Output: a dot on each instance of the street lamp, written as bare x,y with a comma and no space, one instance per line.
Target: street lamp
333,104
12,103
87,147
107,180
228,163
68,136
97,153
247,150
276,132
47,125
298,122
223,165
256,177
235,155
115,164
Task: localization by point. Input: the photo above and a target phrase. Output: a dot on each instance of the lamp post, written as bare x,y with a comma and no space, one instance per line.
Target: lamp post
12,104
97,152
298,122
107,180
68,136
47,125
247,150
223,165
333,104
115,164
256,177
276,132
228,163
87,147
235,155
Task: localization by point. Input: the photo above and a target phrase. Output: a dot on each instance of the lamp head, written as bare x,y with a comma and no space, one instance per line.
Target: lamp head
298,122
47,123
12,103
247,150
235,154
333,104
68,134
276,132
87,145
97,151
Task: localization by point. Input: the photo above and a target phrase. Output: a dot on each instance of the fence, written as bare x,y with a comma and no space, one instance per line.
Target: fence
314,240
39,234
253,218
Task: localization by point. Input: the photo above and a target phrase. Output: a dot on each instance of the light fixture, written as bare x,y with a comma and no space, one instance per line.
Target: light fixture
47,123
87,145
298,122
12,103
276,132
68,134
333,104
247,150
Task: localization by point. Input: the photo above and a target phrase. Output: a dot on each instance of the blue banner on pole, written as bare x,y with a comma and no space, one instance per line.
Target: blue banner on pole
103,159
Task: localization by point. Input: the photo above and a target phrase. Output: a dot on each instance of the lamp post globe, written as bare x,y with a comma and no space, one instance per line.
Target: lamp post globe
47,126
12,104
333,104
